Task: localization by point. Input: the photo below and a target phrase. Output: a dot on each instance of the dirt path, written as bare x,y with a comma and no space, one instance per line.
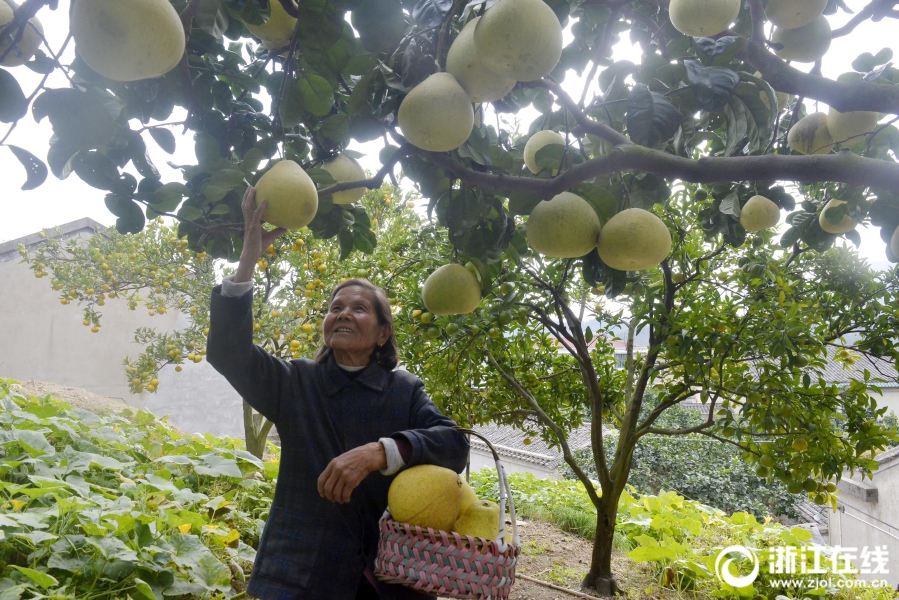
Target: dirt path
77,397
551,555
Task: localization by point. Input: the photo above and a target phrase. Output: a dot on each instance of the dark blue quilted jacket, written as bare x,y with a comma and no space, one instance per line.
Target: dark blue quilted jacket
313,548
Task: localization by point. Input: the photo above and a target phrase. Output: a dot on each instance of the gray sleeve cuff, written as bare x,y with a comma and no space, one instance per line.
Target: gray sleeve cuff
229,288
394,458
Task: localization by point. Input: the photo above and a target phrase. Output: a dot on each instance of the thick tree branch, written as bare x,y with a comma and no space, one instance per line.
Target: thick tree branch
843,167
758,21
845,97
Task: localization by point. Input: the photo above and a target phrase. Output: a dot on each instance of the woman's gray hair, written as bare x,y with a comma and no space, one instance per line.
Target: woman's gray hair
387,355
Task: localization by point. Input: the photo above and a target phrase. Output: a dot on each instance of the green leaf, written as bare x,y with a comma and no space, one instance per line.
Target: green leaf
364,240
218,466
883,57
36,169
211,573
336,128
78,118
291,107
712,86
95,169
13,104
718,52
651,118
143,589
864,63
549,157
33,442
44,580
318,96
164,138
131,217
187,549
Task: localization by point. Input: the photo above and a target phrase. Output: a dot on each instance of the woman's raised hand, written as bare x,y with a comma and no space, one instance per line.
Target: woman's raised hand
255,238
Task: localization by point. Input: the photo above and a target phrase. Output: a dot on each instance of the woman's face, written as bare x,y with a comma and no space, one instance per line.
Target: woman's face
351,326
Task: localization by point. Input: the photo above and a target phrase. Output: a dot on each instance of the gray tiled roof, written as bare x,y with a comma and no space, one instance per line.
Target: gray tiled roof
812,513
879,369
509,443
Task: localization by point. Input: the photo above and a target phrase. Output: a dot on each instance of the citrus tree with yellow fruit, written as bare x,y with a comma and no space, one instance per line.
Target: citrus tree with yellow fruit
154,271
748,331
497,118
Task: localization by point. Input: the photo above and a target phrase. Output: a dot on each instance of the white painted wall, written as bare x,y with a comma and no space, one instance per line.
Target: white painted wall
44,340
481,460
859,523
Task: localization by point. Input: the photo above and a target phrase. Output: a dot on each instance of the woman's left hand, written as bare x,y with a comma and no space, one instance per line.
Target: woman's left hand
348,470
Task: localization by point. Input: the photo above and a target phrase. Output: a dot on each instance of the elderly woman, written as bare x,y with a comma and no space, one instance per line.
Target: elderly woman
348,423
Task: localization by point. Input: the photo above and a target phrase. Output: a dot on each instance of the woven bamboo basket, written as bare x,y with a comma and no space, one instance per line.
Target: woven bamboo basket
446,563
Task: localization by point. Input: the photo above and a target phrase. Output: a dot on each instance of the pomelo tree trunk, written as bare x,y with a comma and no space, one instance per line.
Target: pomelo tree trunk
256,429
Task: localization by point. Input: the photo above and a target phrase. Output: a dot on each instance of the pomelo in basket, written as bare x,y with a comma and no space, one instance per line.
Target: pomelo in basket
427,496
480,520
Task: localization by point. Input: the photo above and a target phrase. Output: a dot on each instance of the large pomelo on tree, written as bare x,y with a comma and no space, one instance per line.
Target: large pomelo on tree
128,41
25,47
519,39
291,194
791,14
481,519
564,227
804,44
894,243
277,31
462,62
759,213
845,224
436,115
810,135
427,496
536,143
344,168
703,18
850,128
451,290
634,240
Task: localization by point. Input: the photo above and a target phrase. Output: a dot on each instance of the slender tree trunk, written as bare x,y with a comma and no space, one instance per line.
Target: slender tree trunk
255,428
600,577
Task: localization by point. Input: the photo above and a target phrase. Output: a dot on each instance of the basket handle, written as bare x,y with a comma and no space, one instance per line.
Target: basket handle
505,492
